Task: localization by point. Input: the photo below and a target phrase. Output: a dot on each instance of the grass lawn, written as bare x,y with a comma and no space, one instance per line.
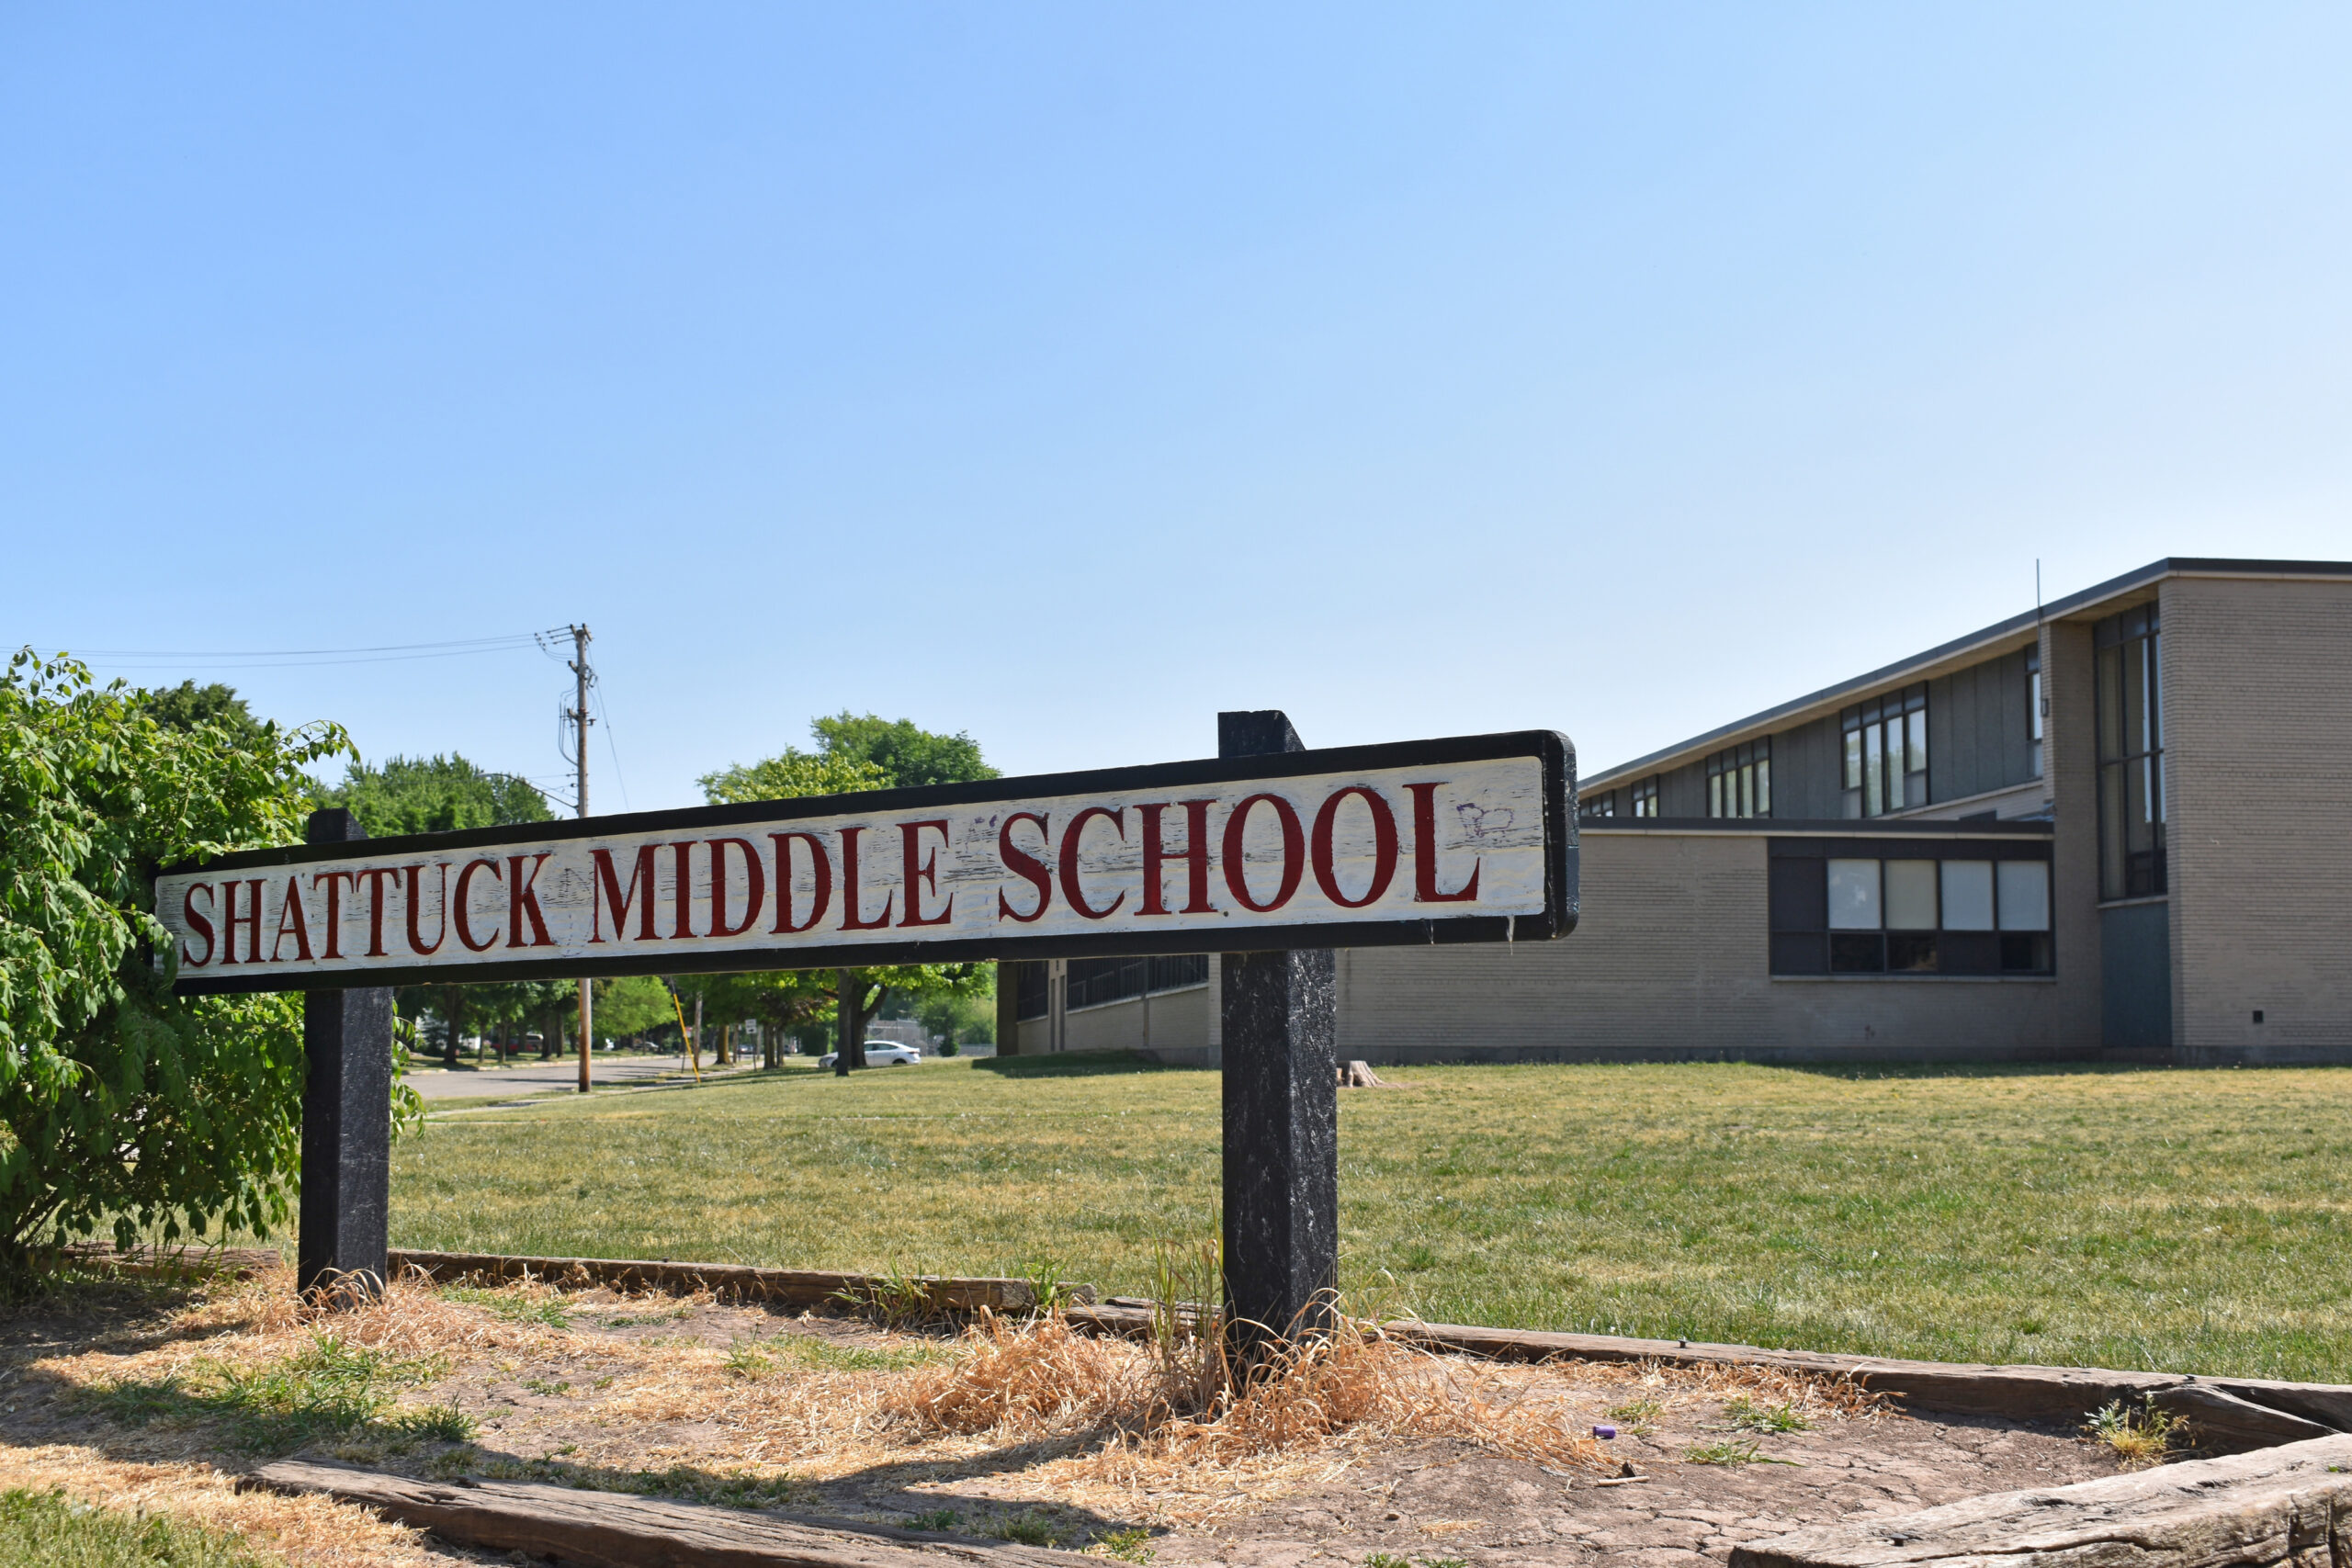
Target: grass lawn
47,1529
2171,1219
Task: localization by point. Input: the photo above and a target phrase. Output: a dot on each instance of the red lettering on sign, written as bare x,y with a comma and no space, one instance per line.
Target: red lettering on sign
682,900
462,909
755,887
230,921
416,906
1294,852
291,918
523,900
1384,847
820,894
1025,865
374,877
1072,889
928,872
606,884
198,922
335,881
1425,851
851,919
1195,854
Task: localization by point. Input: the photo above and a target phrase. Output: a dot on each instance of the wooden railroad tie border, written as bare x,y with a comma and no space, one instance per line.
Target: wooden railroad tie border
617,1529
730,1282
2279,1506
2230,1414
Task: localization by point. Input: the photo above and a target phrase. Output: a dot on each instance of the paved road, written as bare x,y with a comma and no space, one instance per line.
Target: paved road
542,1078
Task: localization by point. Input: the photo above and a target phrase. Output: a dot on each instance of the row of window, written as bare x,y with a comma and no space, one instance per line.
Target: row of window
1956,910
1887,752
1739,781
1091,982
2129,650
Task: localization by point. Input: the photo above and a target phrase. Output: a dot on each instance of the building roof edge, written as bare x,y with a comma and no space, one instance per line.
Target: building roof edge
1888,674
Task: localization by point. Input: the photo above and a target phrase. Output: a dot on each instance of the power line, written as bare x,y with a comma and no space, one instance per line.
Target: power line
265,659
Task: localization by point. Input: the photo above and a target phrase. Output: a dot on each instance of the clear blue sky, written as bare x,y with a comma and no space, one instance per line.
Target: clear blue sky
1067,375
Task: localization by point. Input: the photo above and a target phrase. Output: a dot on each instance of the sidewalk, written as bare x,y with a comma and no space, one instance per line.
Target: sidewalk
544,1077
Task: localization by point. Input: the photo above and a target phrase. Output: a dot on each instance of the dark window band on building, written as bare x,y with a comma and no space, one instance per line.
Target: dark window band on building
2130,648
1032,990
1739,781
1924,909
1094,981
1598,808
1887,752
1645,793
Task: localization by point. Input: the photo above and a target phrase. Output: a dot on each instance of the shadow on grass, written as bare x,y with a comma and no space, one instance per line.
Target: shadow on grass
1073,1065
885,1488
1865,1071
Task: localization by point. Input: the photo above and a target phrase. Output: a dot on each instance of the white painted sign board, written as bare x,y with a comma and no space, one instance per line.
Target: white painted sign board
1465,839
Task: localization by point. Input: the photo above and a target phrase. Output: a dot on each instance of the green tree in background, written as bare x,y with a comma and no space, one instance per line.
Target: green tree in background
789,777
632,1006
434,794
188,706
852,753
905,755
442,794
123,1107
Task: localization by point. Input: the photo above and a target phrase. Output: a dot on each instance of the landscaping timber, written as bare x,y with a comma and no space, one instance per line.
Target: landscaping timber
731,1282
2246,1511
606,1529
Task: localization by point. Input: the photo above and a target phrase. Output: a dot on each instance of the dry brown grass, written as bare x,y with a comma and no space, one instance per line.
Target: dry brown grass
1021,1412
301,1531
1044,1379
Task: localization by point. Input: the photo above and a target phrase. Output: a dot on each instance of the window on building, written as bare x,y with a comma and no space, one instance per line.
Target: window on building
1092,982
1887,752
1645,796
2037,706
1032,992
1594,808
1932,909
1739,781
2129,650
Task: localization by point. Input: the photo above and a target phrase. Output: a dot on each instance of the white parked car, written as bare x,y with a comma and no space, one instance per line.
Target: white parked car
881,1054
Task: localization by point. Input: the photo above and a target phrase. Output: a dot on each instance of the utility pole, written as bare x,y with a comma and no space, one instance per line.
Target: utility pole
581,675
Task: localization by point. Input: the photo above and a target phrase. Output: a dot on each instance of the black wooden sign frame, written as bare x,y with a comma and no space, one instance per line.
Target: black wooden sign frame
1556,918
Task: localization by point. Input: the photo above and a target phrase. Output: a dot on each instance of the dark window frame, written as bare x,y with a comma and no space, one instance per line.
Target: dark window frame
1803,945
1646,795
1032,995
1739,781
2128,675
1098,982
1872,736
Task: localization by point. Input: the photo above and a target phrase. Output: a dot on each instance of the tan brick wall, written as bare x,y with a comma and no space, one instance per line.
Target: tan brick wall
2257,718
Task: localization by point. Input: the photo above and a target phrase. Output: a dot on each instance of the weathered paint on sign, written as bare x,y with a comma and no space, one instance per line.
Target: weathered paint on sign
1144,859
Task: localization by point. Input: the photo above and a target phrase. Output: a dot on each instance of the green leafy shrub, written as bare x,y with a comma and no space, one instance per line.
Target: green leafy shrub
122,1107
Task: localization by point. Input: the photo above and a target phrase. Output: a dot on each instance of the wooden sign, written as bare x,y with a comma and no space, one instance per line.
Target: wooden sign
1468,839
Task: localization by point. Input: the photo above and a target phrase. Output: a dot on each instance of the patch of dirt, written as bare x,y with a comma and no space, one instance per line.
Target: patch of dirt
810,1413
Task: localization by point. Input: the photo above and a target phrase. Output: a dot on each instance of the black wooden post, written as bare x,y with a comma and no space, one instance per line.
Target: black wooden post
347,1122
1282,1119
